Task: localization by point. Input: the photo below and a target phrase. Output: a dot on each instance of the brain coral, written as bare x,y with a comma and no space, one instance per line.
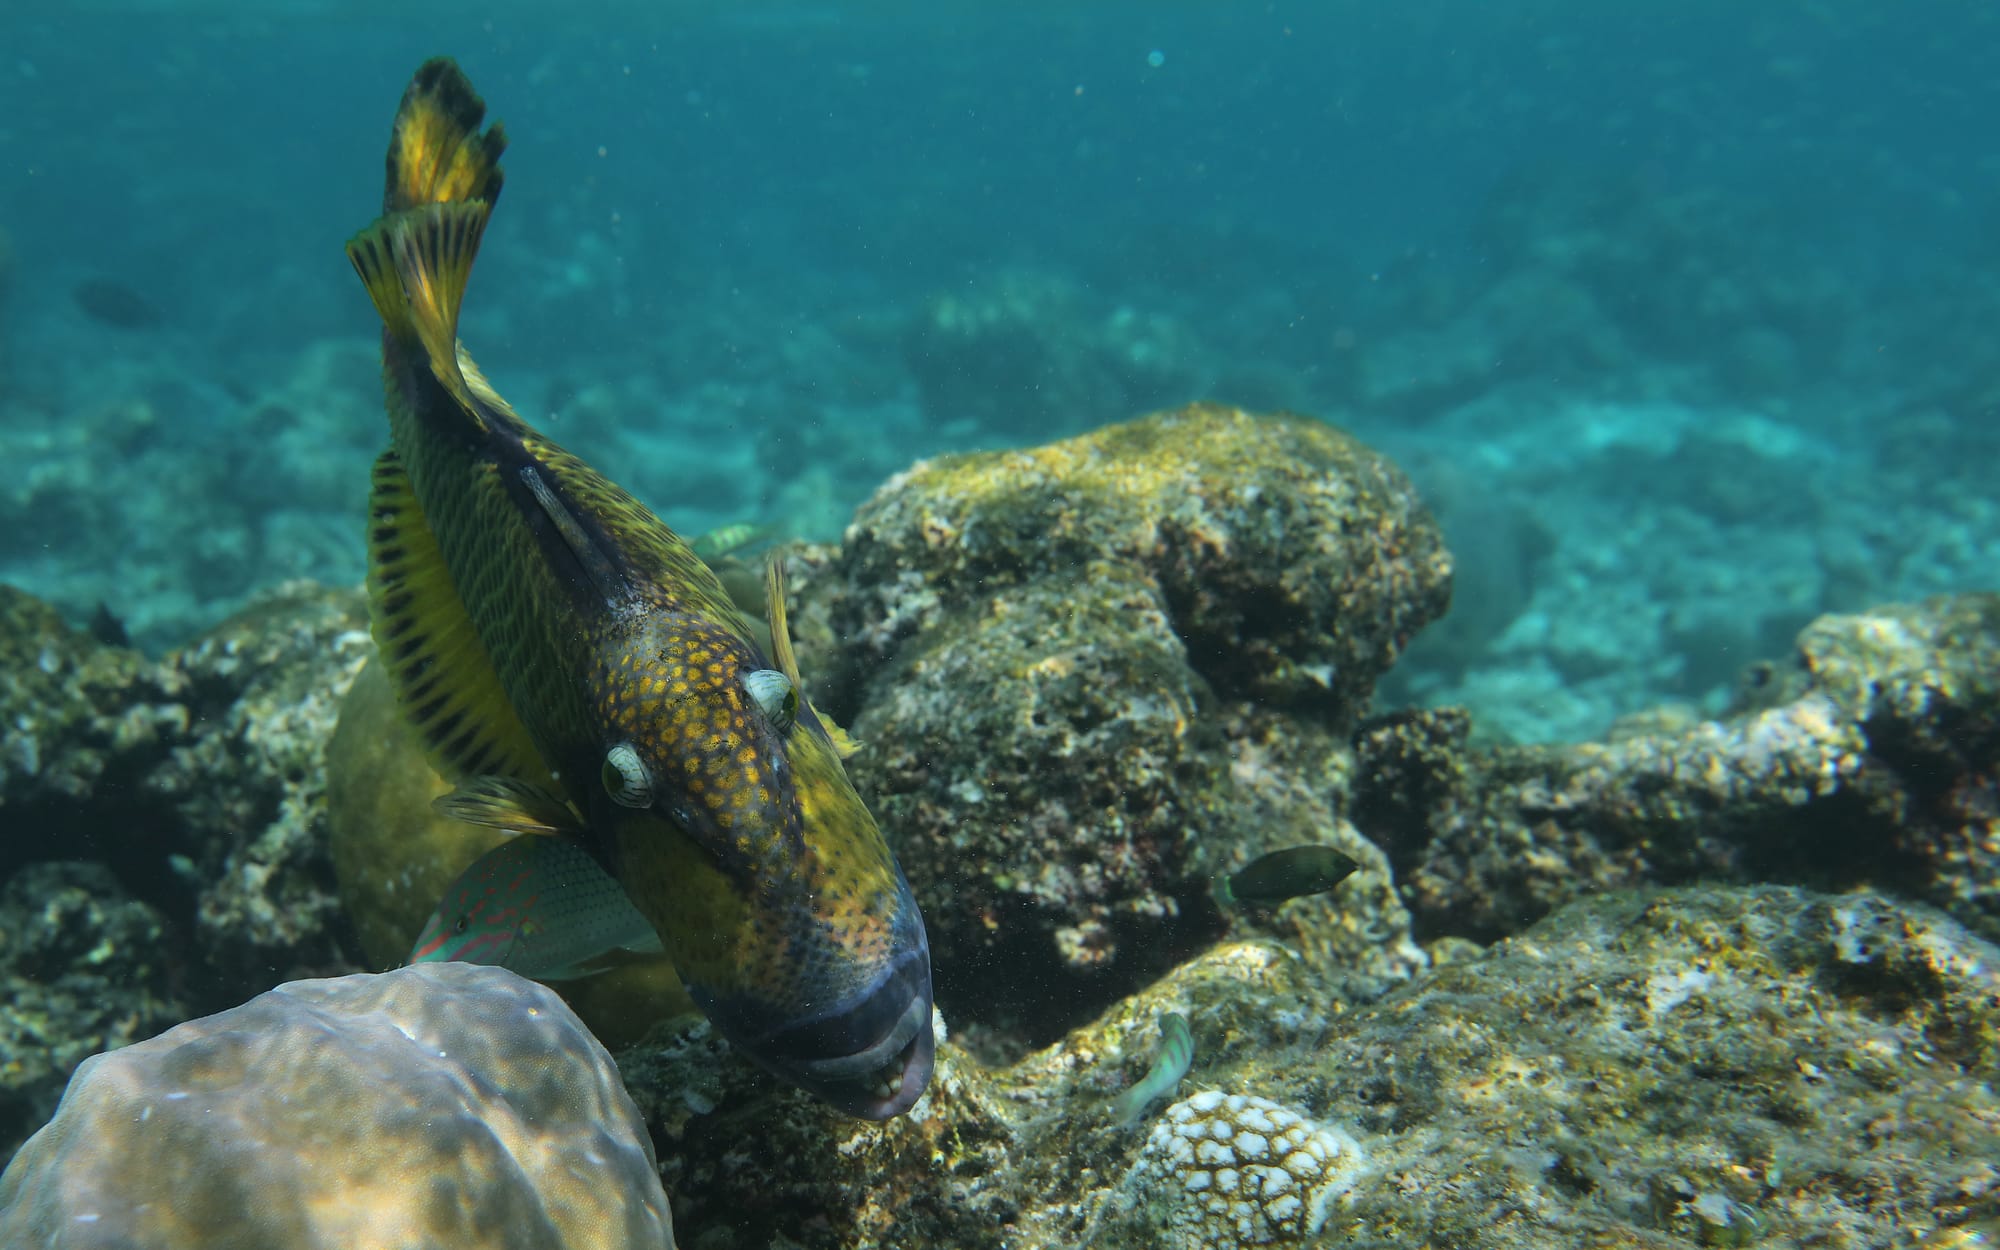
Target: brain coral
438,1105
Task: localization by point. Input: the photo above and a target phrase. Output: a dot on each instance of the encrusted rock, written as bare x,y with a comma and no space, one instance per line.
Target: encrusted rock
1871,759
1715,1066
72,714
1080,672
991,1157
444,1104
1712,1066
198,775
82,969
252,786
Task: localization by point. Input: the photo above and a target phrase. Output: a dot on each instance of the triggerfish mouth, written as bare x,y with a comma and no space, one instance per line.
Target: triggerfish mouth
578,672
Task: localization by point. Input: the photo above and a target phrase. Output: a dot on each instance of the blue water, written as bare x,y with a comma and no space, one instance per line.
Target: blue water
1677,311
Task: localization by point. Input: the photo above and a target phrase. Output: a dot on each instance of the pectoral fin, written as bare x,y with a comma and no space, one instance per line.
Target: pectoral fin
510,805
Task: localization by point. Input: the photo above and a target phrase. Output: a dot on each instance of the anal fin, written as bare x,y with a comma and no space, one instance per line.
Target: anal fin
444,680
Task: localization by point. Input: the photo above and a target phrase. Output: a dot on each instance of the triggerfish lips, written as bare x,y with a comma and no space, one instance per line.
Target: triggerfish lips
869,1055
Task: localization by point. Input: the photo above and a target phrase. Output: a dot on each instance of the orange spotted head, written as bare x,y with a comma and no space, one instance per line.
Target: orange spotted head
734,830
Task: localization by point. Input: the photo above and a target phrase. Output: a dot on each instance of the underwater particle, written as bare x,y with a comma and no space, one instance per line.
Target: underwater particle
1295,872
1156,58
1234,1169
324,1099
1175,1058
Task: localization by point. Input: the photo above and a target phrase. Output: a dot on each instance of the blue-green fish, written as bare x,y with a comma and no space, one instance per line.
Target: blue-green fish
578,671
541,907
1291,873
1175,1058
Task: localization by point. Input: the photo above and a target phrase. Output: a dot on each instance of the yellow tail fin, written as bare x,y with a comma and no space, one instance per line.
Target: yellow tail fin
443,178
438,153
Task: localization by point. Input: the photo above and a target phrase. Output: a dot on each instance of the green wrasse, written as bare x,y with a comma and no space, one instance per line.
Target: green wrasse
579,672
1175,1057
541,907
1291,873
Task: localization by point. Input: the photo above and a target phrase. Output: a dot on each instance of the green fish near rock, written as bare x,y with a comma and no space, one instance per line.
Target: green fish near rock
1176,1056
577,670
1292,873
540,907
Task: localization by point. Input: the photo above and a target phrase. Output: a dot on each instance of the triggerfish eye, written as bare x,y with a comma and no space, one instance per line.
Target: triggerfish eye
774,695
626,778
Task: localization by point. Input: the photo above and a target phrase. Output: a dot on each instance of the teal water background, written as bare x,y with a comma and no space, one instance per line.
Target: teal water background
1679,312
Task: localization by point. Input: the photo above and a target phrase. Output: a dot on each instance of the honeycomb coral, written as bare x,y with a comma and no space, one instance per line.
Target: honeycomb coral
1223,1170
439,1105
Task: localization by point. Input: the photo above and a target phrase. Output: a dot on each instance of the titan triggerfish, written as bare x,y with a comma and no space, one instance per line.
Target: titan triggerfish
579,672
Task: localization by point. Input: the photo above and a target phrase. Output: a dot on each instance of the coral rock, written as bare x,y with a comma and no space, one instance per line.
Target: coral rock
1079,669
438,1105
82,969
1720,1066
1870,760
199,775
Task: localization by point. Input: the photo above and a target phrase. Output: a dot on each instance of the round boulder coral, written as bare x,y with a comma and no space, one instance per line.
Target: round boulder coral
437,1105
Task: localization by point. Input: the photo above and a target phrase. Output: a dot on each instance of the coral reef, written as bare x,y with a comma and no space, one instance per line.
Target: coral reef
199,775
299,1119
1088,679
394,856
1080,666
1868,760
1710,1066
82,969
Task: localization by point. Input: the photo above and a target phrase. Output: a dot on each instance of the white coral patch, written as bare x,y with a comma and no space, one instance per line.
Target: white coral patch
1234,1169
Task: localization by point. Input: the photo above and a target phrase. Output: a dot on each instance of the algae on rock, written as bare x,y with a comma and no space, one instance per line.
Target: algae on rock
1069,663
82,969
198,775
1869,760
1716,1066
